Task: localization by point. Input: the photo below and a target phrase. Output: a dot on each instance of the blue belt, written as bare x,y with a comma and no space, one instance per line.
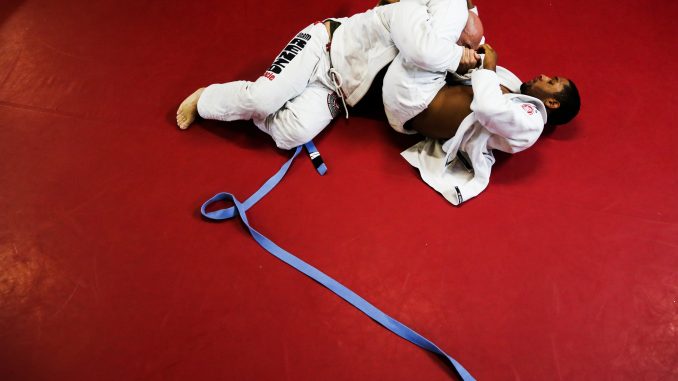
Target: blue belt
373,312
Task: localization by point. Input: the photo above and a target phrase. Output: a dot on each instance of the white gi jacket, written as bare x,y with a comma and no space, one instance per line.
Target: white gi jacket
295,99
408,89
424,31
460,167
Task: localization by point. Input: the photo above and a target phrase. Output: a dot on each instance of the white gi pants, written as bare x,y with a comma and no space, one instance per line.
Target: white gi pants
292,102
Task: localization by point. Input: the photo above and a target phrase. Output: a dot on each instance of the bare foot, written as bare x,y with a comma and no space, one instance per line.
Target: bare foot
188,109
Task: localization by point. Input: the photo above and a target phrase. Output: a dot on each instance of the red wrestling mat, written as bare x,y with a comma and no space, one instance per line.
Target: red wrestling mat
565,268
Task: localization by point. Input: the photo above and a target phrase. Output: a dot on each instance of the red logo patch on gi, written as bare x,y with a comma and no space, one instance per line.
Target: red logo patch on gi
333,104
529,109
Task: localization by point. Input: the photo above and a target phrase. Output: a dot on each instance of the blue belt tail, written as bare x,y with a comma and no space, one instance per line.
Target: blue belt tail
373,312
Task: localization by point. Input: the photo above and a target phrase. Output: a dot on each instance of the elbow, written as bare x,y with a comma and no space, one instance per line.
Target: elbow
485,112
429,60
518,145
427,54
522,142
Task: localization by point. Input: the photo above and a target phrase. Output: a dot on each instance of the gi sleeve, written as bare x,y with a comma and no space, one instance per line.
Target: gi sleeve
519,123
427,36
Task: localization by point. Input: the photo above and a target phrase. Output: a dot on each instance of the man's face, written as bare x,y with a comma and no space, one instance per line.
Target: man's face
543,87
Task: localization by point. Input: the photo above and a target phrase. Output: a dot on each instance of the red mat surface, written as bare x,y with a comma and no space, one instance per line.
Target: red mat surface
565,268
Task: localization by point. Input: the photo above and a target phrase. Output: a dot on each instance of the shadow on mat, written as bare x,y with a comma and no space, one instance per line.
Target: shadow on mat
565,132
8,7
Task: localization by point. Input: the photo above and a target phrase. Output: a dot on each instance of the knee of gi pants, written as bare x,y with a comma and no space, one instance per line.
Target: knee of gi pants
287,130
301,119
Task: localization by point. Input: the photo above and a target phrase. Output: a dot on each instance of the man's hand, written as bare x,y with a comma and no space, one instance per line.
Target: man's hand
469,60
490,61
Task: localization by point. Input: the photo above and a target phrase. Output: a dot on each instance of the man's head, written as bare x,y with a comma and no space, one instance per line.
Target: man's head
473,32
560,96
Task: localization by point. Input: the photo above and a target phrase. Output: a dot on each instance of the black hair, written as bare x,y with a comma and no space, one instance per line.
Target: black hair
569,105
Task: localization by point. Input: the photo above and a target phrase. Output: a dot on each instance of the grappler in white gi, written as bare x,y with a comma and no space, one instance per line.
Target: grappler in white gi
332,63
463,124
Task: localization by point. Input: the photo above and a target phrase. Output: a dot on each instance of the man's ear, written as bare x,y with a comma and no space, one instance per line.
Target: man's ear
551,103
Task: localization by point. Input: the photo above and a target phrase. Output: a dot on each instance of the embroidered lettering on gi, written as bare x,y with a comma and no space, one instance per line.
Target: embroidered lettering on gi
287,55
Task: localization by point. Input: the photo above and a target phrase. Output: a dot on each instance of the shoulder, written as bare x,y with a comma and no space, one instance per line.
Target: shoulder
529,107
